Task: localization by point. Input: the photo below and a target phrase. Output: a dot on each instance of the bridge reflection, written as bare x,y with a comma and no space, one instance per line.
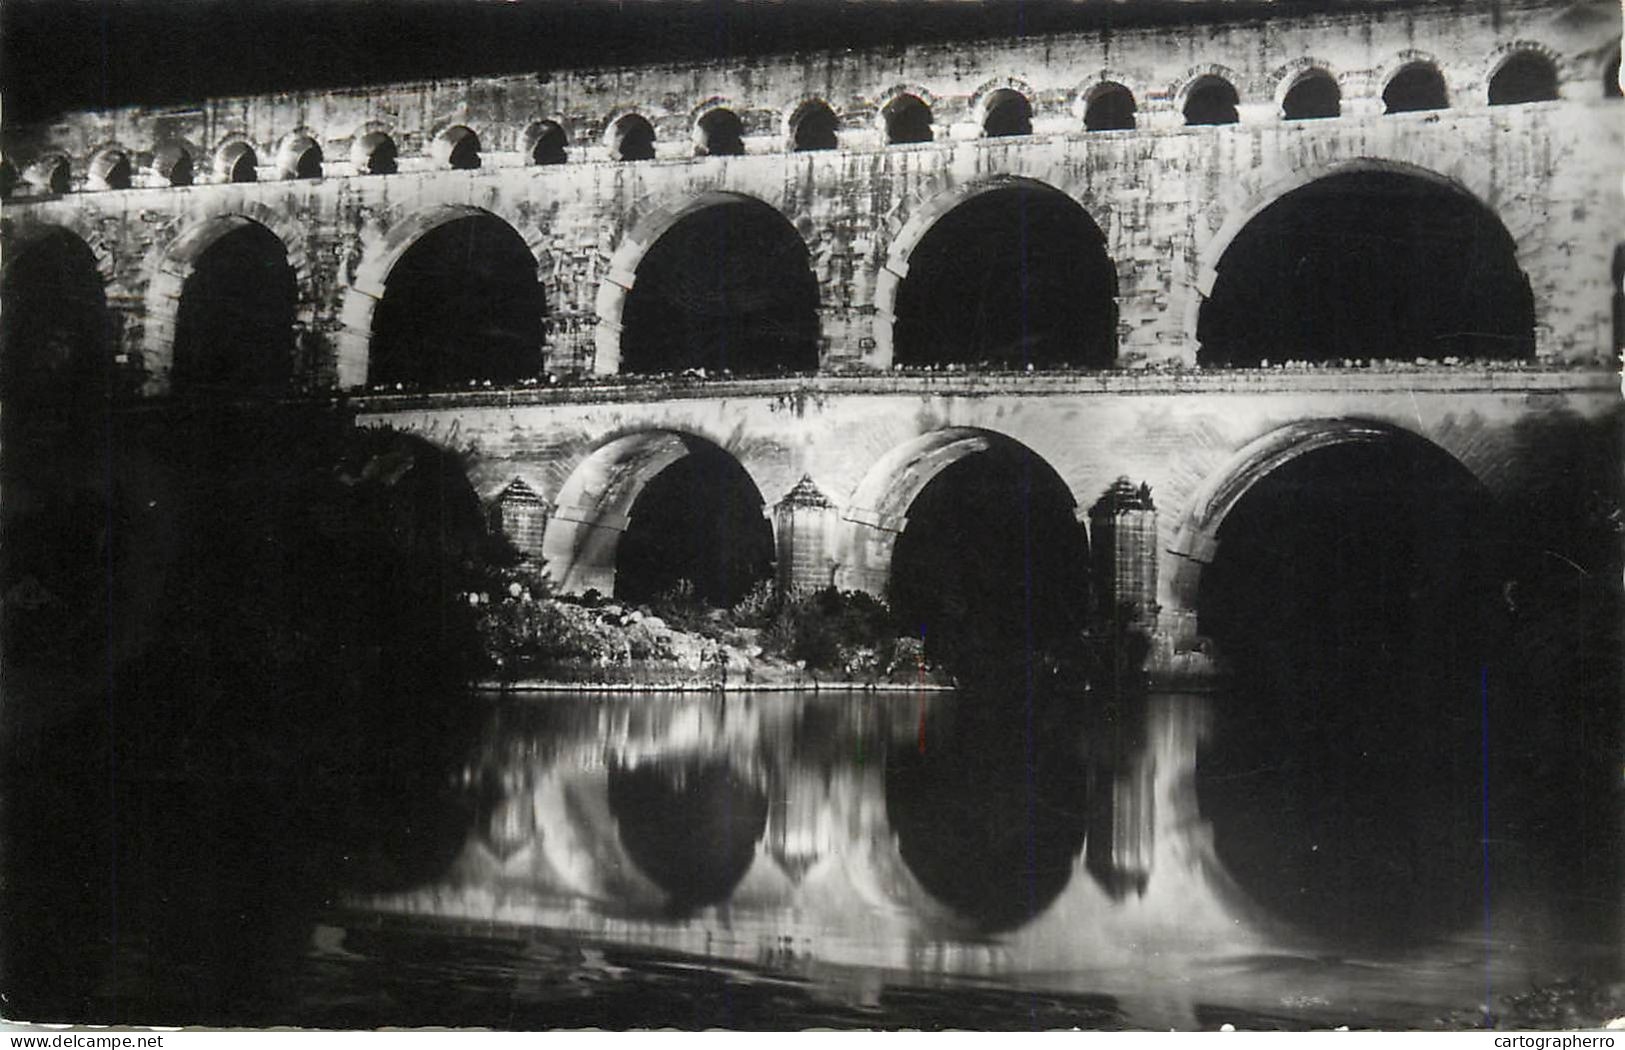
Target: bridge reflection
837,836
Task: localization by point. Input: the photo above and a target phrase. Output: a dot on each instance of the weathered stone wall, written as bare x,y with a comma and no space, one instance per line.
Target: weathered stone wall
1515,431
1168,198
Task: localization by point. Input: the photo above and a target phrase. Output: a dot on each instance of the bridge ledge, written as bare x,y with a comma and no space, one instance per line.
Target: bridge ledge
1527,380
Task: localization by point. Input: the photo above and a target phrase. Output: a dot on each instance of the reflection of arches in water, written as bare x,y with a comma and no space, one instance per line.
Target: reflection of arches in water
989,820
691,826
1352,594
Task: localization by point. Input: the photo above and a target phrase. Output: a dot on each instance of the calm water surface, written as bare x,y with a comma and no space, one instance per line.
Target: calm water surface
792,860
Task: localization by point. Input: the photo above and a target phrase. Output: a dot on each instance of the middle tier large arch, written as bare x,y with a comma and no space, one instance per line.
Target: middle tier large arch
1009,272
721,282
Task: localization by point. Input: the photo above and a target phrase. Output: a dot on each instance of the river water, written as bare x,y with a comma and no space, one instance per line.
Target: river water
784,860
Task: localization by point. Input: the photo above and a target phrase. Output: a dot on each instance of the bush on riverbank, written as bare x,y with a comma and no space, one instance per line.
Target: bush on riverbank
529,633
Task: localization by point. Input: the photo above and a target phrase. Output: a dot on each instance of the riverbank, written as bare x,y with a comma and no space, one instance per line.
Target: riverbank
826,641
810,685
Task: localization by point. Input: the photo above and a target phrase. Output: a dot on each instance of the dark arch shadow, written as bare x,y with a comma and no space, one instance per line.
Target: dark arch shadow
1354,600
1315,96
55,331
991,808
690,825
728,288
1212,100
699,521
461,305
1016,276
992,566
1525,77
1368,265
234,324
1418,87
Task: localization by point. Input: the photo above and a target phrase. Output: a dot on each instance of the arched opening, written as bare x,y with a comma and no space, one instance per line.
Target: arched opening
1211,100
237,162
1368,265
719,133
1354,598
458,148
374,154
907,120
632,138
54,326
546,143
1419,86
460,305
660,513
1111,108
1525,77
814,126
59,541
690,825
727,288
50,174
989,565
1007,112
1313,97
110,170
300,158
1611,73
1016,276
172,162
699,520
234,324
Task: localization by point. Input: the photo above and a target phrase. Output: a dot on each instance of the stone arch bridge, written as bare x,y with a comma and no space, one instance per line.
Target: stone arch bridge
869,447
1187,258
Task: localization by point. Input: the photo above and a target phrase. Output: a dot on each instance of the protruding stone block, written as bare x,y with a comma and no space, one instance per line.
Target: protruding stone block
804,524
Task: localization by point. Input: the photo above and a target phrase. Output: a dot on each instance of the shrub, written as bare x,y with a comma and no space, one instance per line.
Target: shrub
834,631
758,608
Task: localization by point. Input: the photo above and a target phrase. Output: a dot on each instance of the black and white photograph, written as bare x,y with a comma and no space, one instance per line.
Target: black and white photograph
769,515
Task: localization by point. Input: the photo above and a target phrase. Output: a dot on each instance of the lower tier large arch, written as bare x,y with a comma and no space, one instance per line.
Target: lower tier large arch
1348,575
974,540
647,511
